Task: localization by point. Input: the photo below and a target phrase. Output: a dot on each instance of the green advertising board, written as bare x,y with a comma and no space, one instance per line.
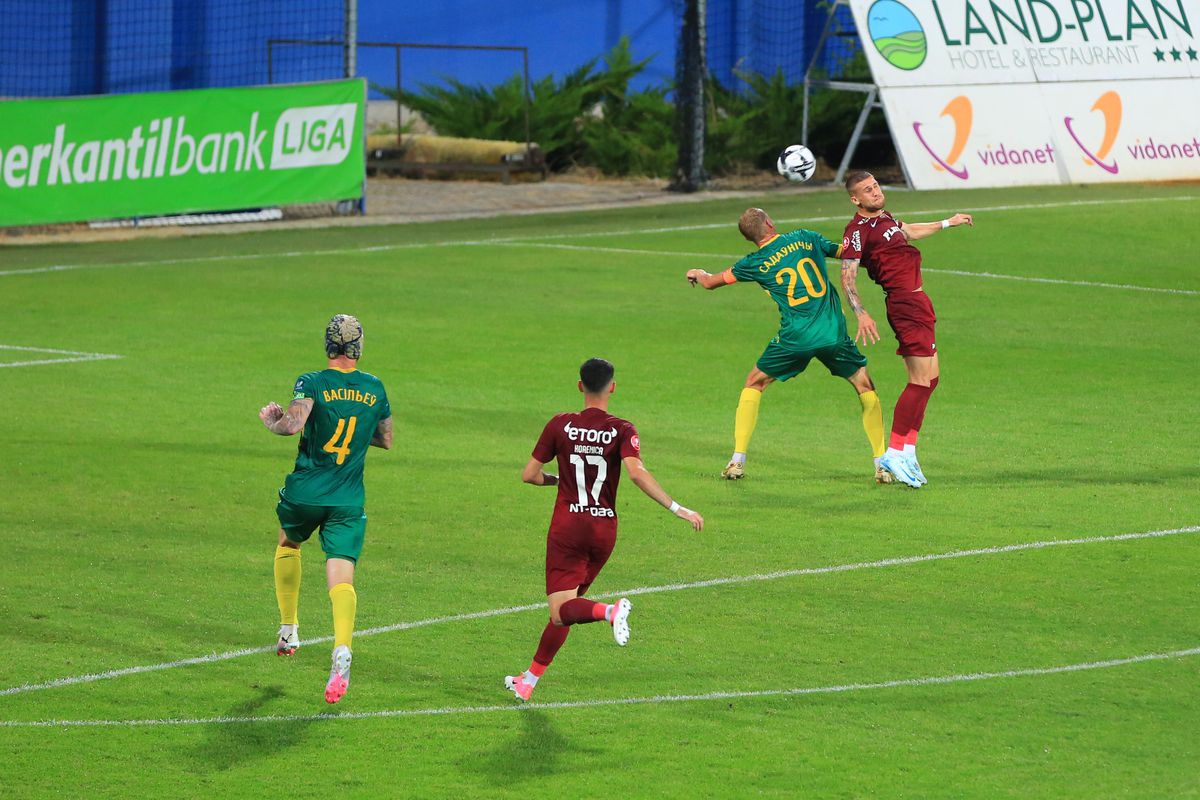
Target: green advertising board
132,155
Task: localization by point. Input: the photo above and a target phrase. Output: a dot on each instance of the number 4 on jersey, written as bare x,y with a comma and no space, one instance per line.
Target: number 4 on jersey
344,449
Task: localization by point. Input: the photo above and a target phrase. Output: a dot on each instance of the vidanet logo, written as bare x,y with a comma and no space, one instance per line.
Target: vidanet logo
1108,104
961,114
897,34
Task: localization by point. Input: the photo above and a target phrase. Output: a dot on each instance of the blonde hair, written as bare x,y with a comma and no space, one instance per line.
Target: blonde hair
753,224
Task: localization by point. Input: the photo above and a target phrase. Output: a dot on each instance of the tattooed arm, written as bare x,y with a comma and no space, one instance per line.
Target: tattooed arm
866,326
383,434
286,423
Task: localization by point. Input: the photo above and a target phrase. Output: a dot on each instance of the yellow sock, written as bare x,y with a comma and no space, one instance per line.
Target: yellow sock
345,604
287,583
745,419
873,421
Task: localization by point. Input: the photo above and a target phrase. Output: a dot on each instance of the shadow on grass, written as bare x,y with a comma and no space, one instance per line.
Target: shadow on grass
538,750
228,745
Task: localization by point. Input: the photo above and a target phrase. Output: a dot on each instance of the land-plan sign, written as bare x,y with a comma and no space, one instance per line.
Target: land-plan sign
1011,92
76,159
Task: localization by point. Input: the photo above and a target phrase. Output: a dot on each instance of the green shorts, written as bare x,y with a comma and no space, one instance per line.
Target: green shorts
782,363
342,527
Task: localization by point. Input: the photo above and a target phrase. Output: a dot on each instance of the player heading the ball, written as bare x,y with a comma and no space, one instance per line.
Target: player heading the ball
881,243
791,268
590,446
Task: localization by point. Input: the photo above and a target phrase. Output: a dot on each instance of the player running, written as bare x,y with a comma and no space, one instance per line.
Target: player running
590,446
791,268
880,242
341,412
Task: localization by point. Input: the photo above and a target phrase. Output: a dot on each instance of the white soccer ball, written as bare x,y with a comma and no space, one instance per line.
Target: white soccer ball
796,163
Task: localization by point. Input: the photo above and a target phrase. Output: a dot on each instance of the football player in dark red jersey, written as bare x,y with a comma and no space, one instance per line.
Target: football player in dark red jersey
590,446
881,243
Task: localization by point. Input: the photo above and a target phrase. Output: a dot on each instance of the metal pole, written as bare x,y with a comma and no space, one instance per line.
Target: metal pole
350,54
270,62
804,123
400,125
528,103
852,145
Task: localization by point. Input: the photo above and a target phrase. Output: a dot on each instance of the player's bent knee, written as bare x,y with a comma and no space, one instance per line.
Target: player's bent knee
286,542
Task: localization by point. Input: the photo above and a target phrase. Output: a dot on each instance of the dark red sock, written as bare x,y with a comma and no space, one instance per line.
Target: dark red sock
903,416
579,611
918,411
920,417
552,639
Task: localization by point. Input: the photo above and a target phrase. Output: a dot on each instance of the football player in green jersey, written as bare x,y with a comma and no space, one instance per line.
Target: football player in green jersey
791,268
339,412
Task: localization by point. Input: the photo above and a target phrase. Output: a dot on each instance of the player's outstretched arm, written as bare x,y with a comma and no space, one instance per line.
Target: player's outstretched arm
383,434
534,474
867,331
646,482
710,281
919,230
289,422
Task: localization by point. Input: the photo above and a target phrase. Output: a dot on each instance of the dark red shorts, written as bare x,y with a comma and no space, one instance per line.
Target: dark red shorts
576,551
911,316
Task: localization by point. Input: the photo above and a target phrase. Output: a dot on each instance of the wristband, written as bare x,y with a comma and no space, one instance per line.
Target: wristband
675,506
945,224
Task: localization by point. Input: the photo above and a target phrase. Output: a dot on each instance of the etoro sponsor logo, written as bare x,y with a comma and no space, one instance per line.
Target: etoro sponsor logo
577,434
173,146
1108,104
897,34
961,114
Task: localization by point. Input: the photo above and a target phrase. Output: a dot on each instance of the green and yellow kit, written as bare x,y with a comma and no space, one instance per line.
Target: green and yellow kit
791,268
325,490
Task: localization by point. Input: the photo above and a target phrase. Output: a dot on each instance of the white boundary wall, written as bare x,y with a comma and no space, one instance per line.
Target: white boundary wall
1025,92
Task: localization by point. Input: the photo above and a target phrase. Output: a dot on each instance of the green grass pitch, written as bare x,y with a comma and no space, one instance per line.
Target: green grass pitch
138,515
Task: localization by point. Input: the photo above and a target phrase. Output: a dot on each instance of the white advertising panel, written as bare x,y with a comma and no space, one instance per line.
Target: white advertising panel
1028,134
949,42
1016,92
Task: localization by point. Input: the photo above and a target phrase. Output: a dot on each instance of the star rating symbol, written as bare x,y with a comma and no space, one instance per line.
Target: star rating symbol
1191,51
1159,55
1175,54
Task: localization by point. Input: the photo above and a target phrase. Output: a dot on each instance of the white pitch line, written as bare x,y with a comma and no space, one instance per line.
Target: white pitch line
551,236
670,587
75,356
933,680
959,272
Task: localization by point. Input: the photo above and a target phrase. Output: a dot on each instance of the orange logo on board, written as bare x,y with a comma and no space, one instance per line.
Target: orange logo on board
962,114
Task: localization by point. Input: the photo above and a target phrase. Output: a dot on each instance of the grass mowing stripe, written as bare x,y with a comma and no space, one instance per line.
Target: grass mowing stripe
549,236
959,272
670,587
933,680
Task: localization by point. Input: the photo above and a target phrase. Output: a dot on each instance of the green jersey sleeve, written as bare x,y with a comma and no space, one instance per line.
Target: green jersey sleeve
746,269
830,249
385,407
305,387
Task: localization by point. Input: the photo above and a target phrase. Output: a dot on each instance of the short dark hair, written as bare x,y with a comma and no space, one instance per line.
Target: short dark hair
596,374
855,178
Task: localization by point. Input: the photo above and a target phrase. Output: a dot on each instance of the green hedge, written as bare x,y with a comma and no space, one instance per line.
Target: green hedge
591,118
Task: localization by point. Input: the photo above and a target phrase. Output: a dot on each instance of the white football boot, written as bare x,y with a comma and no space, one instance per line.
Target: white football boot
620,621
289,640
339,675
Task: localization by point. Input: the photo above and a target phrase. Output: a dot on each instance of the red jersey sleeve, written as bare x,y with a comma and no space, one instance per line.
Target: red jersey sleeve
546,448
852,241
631,446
